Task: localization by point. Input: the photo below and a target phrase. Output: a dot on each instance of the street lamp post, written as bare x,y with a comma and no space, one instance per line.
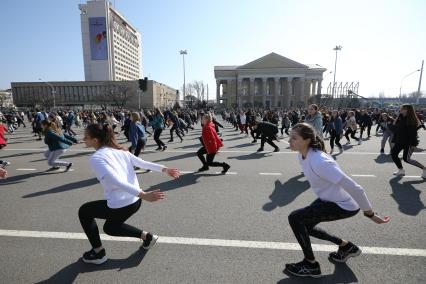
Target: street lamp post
183,53
52,90
402,80
337,48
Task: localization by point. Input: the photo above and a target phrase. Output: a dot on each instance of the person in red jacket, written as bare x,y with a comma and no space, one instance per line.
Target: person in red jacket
211,145
3,140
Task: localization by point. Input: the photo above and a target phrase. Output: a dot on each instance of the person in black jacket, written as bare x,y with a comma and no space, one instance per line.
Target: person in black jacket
365,122
268,132
405,138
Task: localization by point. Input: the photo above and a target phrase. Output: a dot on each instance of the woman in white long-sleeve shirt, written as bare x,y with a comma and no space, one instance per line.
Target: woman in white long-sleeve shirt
114,168
339,197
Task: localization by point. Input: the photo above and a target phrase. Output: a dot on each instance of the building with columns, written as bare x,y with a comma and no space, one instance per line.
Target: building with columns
272,81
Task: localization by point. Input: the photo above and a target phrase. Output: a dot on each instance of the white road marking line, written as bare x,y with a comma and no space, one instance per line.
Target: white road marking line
270,174
228,173
215,243
363,175
186,172
26,169
347,152
411,176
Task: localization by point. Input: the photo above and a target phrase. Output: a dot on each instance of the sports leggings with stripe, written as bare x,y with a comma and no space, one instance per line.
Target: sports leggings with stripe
406,156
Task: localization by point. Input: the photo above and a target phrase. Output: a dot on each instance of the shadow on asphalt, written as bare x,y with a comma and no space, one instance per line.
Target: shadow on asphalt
342,274
21,155
242,145
64,187
173,158
407,196
285,193
183,180
383,158
69,273
252,156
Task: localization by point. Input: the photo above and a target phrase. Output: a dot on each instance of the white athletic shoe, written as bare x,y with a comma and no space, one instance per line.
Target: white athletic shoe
149,244
400,172
331,151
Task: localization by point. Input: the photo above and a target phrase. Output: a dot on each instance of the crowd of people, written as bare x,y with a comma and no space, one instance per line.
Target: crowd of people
338,196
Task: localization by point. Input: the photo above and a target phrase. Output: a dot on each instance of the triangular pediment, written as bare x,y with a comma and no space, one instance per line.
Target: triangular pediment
272,60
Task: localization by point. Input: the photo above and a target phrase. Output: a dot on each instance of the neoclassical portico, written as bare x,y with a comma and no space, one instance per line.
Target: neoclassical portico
272,81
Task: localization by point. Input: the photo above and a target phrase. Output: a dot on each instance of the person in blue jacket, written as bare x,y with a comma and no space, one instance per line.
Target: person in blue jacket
335,128
57,143
157,124
137,134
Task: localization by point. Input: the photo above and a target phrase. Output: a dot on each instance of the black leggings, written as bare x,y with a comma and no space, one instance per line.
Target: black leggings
335,138
406,156
267,139
175,129
352,133
304,223
157,134
210,157
114,224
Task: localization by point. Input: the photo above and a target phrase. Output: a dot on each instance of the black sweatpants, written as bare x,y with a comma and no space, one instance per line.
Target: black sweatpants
157,134
114,224
406,156
335,138
268,140
352,133
304,223
210,157
175,129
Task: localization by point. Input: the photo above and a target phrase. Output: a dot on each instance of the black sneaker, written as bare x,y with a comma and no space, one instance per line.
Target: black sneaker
254,141
159,149
260,149
382,151
344,253
4,164
277,149
150,241
67,168
96,258
304,269
203,169
226,167
54,168
164,148
171,140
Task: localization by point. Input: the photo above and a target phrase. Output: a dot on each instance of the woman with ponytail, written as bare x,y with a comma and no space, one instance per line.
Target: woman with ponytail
114,168
339,197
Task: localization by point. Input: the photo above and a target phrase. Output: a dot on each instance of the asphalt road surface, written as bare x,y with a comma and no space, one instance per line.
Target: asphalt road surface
213,228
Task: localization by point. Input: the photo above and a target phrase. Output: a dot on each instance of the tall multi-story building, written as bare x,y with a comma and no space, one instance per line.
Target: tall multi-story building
111,45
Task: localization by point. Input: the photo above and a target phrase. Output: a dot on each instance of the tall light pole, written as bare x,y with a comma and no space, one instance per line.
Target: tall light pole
420,83
183,53
337,48
402,80
52,90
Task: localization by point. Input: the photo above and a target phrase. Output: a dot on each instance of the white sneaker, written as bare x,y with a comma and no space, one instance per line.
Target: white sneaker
400,172
331,152
424,174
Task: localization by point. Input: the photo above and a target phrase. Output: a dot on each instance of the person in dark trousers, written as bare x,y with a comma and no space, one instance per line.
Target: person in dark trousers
267,132
405,139
211,145
113,167
175,126
335,128
137,135
126,126
365,122
338,197
157,124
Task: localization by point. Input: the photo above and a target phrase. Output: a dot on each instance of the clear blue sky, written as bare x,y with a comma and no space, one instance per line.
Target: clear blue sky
382,40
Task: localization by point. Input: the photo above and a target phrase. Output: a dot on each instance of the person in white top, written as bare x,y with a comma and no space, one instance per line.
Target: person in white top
114,168
339,197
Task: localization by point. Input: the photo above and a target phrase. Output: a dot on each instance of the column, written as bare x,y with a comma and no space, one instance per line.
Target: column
314,85
252,91
276,91
239,90
319,87
288,91
301,98
264,82
217,92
